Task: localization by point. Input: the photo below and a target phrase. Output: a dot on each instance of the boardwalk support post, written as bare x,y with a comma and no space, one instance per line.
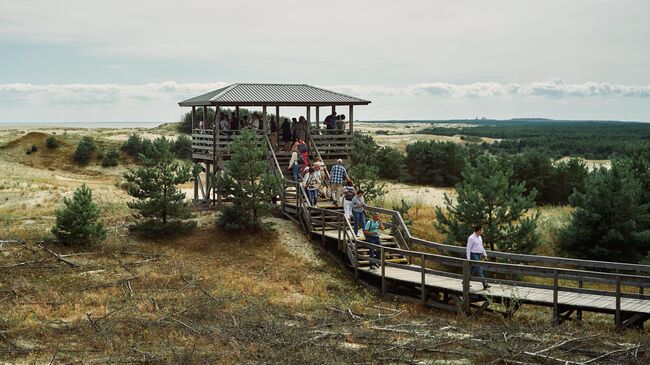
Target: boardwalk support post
579,311
467,267
383,272
556,309
617,316
322,236
423,293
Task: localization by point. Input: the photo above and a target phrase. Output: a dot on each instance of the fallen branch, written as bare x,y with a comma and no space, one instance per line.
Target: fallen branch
185,325
612,352
16,347
58,257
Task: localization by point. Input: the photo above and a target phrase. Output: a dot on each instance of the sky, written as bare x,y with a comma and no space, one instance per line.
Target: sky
133,61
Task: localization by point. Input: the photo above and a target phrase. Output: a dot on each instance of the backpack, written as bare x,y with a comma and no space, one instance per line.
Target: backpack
349,194
303,147
300,160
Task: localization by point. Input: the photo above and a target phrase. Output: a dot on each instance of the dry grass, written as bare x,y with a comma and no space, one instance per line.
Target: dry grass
211,297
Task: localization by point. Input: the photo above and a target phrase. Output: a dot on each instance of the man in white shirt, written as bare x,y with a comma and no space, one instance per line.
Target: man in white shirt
476,251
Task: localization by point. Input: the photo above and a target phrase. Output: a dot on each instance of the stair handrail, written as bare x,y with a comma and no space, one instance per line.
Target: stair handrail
314,148
275,166
460,250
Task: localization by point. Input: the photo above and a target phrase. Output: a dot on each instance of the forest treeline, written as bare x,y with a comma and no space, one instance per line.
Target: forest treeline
587,139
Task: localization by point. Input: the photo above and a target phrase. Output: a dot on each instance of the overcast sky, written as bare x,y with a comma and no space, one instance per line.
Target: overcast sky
134,60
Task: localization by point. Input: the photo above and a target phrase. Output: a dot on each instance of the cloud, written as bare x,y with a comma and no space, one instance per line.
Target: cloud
158,101
554,88
125,94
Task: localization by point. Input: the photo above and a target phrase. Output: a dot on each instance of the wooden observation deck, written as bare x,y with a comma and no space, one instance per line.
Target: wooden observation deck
415,269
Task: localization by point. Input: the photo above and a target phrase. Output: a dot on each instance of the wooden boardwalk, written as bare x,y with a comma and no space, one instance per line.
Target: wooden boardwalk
438,275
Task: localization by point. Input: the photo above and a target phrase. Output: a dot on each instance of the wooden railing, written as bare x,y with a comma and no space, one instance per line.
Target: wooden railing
535,274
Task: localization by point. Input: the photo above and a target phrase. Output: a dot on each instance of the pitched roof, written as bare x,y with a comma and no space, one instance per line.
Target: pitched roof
272,95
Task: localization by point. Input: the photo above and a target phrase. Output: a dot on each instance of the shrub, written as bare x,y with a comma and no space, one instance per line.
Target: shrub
110,158
77,222
183,147
51,142
133,145
435,163
84,150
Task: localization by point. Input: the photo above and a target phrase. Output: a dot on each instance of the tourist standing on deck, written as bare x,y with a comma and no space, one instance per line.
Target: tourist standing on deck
224,125
349,192
295,162
286,133
255,123
234,122
476,251
371,231
302,129
359,212
274,133
337,175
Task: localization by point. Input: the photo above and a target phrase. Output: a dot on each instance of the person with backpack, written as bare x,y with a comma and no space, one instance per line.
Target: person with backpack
337,175
294,163
371,231
359,212
349,192
312,185
304,151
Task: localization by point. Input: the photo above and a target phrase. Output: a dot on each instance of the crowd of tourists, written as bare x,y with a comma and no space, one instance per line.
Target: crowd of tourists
281,132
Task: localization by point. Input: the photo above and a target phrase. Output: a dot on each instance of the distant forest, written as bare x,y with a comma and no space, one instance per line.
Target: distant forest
587,139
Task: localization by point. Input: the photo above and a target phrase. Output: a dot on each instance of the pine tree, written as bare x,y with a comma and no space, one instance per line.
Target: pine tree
487,198
365,177
611,220
161,205
77,222
84,150
246,178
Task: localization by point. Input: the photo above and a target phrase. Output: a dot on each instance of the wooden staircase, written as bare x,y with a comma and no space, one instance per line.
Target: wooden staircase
327,218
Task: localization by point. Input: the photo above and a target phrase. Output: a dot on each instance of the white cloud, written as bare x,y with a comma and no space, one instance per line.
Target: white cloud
554,88
158,101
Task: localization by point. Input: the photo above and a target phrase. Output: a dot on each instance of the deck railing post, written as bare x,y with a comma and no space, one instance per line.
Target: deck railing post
579,311
383,272
467,269
322,215
617,315
423,293
556,312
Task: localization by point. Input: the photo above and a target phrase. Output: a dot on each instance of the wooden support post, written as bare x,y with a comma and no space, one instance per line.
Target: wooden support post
264,123
196,188
333,109
383,272
351,118
579,311
216,121
617,315
556,309
467,270
237,114
220,165
318,117
205,117
423,290
208,180
339,226
322,215
308,119
193,118
278,122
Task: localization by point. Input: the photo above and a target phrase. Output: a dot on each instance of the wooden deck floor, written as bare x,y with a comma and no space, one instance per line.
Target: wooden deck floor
590,302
